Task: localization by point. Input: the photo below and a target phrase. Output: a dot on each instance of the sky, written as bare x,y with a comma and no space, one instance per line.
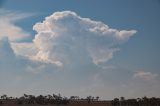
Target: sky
105,48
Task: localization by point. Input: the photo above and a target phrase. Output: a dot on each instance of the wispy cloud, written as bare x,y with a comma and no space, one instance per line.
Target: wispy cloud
9,28
145,75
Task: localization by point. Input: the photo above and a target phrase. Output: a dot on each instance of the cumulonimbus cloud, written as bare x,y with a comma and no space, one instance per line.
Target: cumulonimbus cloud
64,37
64,41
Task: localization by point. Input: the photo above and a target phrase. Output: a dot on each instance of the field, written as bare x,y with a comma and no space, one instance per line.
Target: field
72,103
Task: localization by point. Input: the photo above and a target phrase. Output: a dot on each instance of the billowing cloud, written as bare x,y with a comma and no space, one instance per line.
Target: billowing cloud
66,38
145,75
9,29
12,62
67,50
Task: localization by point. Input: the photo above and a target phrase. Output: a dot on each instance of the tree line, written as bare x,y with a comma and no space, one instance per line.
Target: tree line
41,99
45,100
58,99
144,101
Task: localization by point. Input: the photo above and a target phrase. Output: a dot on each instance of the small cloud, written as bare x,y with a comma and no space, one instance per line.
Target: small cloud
145,75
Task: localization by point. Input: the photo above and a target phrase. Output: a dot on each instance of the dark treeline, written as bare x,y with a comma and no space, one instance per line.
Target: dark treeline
144,101
44,100
31,99
58,99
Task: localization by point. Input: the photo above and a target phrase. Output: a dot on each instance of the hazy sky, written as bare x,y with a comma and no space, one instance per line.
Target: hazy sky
105,48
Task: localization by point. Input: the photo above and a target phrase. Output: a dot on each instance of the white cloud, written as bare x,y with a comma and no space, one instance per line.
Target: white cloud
102,55
65,41
12,62
9,29
24,49
145,75
65,37
62,39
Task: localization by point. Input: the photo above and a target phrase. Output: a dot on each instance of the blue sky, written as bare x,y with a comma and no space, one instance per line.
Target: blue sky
118,64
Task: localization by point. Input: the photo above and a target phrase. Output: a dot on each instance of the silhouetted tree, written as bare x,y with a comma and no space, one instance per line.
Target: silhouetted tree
21,100
74,97
122,101
40,99
89,98
4,96
115,102
97,98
